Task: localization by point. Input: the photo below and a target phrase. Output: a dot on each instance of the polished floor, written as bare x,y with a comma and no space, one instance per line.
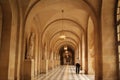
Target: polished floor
64,73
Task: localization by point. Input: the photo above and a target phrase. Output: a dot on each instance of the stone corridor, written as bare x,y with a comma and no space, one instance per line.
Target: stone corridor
66,72
44,39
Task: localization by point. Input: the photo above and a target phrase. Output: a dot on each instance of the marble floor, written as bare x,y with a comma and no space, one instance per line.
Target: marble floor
64,73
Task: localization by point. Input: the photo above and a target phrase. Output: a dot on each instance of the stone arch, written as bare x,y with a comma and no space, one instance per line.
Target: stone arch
64,43
96,25
63,56
60,39
9,40
14,58
74,22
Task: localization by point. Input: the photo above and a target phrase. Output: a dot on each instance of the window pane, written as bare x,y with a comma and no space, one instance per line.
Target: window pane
119,51
118,36
118,3
118,29
118,10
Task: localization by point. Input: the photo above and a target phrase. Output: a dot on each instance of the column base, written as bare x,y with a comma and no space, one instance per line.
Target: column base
29,69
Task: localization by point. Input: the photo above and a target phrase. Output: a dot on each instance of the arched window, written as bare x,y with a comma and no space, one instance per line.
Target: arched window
118,30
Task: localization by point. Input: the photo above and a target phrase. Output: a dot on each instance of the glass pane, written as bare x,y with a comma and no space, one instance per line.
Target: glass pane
119,57
119,51
118,3
118,17
118,29
118,32
118,10
118,37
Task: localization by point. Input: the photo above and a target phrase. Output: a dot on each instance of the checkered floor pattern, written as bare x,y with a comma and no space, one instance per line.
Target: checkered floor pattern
64,73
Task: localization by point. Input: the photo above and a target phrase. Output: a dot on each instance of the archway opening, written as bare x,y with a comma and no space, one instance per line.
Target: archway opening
66,55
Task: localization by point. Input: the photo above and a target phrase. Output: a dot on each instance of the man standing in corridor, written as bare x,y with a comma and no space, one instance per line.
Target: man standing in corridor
77,68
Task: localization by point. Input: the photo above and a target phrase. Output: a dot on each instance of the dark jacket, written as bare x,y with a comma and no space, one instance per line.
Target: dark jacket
77,65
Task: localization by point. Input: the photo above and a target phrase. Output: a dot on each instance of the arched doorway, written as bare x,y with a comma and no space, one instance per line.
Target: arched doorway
66,55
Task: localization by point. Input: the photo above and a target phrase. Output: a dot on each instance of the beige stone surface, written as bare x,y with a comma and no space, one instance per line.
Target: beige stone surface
89,27
29,70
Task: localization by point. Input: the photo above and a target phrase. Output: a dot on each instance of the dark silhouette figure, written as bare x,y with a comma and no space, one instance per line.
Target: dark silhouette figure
77,68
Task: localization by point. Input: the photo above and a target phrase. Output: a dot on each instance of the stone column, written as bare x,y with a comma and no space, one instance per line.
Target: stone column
38,68
44,66
49,65
50,62
109,53
80,53
91,61
77,55
52,65
29,69
5,40
91,49
55,62
84,54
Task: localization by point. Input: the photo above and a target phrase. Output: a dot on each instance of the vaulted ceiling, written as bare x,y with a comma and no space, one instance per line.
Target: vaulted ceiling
51,22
